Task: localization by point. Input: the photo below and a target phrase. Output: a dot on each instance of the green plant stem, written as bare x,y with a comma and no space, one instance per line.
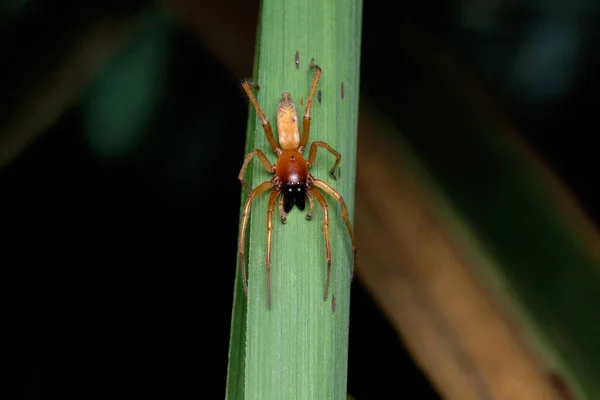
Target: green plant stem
298,347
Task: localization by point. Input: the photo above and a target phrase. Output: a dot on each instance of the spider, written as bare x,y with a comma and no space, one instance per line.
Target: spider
291,180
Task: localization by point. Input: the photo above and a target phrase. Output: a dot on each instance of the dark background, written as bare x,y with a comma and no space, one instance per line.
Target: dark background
129,258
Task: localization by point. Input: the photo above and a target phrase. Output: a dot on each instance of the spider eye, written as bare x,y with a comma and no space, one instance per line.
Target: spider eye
290,190
299,189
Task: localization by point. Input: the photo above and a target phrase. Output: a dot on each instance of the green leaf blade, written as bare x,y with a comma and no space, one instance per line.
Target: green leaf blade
298,348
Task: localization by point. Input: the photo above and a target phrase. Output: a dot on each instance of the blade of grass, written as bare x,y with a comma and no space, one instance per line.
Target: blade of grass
544,251
298,348
447,315
512,226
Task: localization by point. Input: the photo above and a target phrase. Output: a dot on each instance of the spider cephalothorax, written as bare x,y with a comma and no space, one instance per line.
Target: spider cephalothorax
292,181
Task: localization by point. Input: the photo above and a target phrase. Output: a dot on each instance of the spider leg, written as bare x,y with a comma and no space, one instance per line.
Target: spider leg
263,160
270,209
323,204
332,192
312,155
282,211
263,118
312,205
307,110
246,213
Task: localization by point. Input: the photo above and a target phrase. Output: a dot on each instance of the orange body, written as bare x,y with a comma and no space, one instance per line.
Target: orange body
291,167
292,182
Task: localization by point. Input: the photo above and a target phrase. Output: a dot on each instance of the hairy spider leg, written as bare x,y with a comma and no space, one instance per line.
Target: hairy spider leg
332,192
263,160
263,118
270,209
312,155
307,110
259,189
323,204
282,211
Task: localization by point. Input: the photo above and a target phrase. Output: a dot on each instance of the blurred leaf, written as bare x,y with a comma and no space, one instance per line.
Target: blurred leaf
123,100
544,252
502,216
